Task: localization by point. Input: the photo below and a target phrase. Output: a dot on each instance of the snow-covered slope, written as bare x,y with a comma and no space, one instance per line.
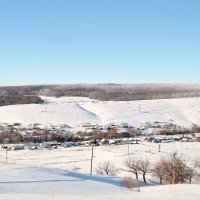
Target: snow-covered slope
17,182
54,111
78,110
63,173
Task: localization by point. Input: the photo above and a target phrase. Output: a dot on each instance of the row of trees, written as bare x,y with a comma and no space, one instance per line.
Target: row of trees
35,137
46,135
19,99
171,169
108,91
111,133
178,130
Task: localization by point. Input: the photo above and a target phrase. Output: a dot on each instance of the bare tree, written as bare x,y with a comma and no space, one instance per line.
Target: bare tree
144,167
158,171
197,168
107,168
173,169
195,128
132,166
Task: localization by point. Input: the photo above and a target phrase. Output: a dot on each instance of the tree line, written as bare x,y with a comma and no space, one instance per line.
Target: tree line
107,92
19,99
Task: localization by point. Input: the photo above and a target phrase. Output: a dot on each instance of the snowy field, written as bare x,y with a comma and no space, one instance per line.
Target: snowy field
64,173
76,111
78,158
20,183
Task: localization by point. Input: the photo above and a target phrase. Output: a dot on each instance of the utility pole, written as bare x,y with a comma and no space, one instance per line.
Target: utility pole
128,146
128,149
91,160
6,155
139,108
159,147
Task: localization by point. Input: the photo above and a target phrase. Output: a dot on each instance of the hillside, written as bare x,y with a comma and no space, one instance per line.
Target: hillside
76,111
63,173
32,183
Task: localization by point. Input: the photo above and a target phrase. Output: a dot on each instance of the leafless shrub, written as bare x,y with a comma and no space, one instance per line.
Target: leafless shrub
197,169
173,169
131,165
107,168
197,163
158,171
195,128
130,183
138,166
197,139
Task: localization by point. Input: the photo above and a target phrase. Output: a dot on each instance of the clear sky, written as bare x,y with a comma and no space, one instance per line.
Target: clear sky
95,41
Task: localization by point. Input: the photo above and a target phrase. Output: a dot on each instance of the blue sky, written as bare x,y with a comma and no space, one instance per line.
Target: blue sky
95,41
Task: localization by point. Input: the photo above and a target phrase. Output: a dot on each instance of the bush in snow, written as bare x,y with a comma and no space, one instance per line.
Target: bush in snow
138,166
197,169
131,165
107,168
173,169
131,183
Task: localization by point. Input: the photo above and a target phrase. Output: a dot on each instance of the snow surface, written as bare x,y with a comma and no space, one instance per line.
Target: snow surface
76,111
18,182
78,158
64,173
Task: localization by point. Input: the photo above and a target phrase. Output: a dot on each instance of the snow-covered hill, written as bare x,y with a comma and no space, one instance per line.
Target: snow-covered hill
20,183
75,111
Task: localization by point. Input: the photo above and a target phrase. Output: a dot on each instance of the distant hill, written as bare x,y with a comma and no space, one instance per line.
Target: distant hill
107,92
79,111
